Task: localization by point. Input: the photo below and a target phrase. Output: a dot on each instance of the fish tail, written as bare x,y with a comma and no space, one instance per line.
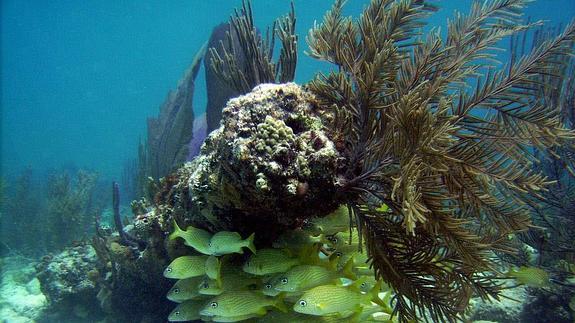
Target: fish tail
347,270
374,295
279,303
251,244
177,231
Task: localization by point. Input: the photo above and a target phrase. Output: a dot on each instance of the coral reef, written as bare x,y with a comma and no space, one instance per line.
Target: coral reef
435,176
270,162
68,281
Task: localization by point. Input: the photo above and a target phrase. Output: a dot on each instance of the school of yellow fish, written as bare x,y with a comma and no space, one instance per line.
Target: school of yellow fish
313,274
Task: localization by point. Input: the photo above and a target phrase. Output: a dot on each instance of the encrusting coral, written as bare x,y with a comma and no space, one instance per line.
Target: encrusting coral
270,159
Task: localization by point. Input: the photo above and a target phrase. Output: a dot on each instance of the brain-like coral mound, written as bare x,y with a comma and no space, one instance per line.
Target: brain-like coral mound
271,158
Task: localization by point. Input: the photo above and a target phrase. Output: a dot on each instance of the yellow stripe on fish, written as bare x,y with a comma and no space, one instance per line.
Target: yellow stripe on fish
303,277
269,261
337,221
241,303
225,242
187,311
186,267
185,289
530,276
193,237
332,299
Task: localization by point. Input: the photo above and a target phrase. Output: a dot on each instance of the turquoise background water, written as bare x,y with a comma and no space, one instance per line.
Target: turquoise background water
79,78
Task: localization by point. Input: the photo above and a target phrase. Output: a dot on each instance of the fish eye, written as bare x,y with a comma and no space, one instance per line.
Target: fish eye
214,304
284,280
302,303
177,313
169,269
205,285
338,254
176,290
268,286
362,284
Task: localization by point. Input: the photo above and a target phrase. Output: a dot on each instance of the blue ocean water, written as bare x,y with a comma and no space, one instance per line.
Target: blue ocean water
79,78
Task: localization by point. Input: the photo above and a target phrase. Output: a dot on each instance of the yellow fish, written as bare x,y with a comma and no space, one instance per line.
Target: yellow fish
297,239
304,277
196,238
186,267
185,289
239,303
332,299
337,221
225,242
530,276
341,240
232,278
269,261
186,311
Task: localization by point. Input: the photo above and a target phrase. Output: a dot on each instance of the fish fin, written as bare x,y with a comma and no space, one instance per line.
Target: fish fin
355,286
279,303
347,270
309,254
374,295
251,244
177,231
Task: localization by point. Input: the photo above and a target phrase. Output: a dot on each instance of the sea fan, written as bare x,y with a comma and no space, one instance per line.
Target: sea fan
447,142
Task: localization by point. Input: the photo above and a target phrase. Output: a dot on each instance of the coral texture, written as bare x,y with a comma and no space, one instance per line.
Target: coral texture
271,158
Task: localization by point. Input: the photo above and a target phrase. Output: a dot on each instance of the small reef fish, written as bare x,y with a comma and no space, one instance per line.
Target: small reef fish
360,260
186,267
530,276
304,277
232,278
187,311
185,289
297,239
225,242
341,241
332,299
337,221
269,261
193,237
240,303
